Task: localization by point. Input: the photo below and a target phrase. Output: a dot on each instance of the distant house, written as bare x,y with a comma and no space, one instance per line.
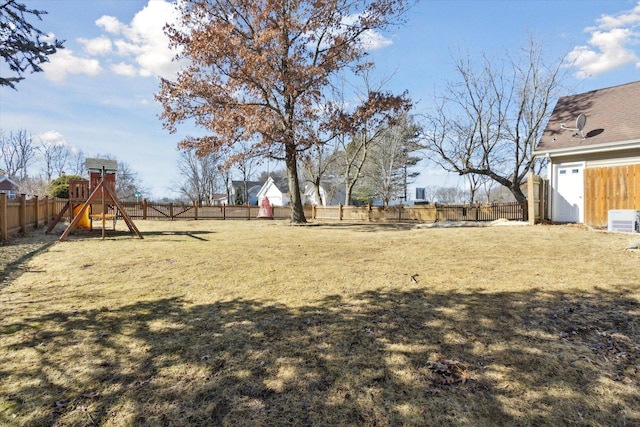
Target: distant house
332,193
9,186
276,190
310,196
244,192
592,142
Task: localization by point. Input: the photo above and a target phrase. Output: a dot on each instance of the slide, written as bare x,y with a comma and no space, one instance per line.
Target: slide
85,222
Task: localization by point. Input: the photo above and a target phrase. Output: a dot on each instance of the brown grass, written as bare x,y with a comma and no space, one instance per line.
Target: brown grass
260,323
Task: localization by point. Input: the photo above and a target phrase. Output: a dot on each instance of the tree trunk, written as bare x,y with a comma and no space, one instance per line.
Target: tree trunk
316,186
297,211
348,192
522,199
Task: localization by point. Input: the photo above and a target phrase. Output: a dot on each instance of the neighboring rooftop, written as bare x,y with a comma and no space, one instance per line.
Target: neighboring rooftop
612,117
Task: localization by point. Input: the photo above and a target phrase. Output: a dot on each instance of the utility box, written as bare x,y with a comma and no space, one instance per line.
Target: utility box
624,221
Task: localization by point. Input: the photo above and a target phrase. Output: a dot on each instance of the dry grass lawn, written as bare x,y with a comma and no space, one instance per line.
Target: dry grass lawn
256,323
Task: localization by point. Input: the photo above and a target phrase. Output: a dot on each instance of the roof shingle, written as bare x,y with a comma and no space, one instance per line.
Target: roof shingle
613,116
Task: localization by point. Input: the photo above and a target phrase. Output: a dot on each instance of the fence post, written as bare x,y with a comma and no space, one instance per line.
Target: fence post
224,211
23,213
144,208
531,198
340,212
368,212
46,210
171,211
36,211
195,208
400,212
313,211
3,217
544,189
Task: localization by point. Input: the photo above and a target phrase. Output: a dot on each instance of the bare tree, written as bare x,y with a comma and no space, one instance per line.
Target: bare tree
258,68
76,163
450,195
489,120
476,182
321,159
55,157
18,150
201,176
245,160
358,129
388,171
128,182
317,162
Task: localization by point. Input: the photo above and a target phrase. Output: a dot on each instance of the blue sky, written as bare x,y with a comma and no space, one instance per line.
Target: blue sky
97,94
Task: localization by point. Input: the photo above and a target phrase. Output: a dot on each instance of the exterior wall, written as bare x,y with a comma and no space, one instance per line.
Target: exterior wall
9,187
275,196
309,196
611,181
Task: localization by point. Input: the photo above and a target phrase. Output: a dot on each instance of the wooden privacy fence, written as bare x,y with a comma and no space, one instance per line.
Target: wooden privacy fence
418,213
423,213
20,215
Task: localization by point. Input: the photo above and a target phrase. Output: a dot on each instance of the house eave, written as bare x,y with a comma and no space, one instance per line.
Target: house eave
589,149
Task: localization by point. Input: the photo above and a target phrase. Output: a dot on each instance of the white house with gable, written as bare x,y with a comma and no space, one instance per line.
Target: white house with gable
274,192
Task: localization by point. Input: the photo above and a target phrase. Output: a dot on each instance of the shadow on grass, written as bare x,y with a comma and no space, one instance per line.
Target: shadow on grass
96,234
530,358
18,251
369,227
193,234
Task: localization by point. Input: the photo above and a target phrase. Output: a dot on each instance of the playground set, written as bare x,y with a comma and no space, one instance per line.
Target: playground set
94,199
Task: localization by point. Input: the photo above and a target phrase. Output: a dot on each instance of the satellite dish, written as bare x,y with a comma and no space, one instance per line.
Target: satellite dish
581,121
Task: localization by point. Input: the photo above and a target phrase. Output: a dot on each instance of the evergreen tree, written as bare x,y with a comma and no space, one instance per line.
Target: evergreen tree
59,187
20,43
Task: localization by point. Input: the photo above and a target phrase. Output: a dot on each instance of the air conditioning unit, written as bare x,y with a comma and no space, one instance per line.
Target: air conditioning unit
624,221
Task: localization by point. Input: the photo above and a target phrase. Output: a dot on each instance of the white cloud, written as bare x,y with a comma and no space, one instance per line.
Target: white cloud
139,48
373,40
124,69
370,39
624,19
52,137
125,48
64,62
611,45
110,24
142,42
97,46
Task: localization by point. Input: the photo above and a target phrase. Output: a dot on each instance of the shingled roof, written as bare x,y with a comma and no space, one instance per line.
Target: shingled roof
613,118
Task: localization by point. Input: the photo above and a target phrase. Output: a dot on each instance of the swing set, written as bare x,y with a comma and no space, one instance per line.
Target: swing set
94,199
